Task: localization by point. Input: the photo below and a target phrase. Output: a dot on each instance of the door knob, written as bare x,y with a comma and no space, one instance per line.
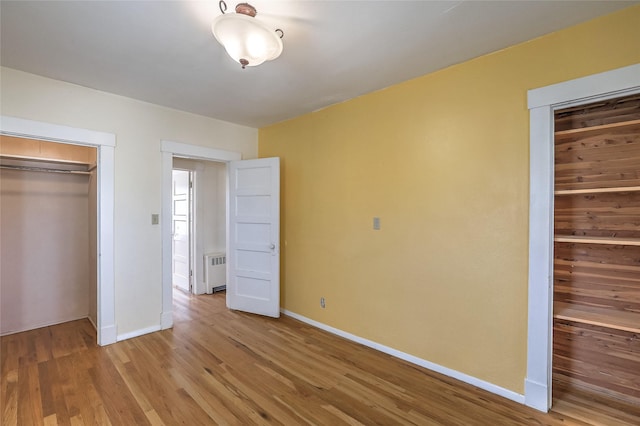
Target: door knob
272,246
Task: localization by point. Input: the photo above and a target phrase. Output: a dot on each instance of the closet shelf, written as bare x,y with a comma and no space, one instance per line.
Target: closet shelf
588,131
44,160
42,164
603,317
597,240
598,190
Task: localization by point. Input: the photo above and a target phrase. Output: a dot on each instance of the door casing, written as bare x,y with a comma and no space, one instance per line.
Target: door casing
169,150
542,103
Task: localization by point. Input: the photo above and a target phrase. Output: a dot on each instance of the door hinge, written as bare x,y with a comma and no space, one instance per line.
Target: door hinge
190,273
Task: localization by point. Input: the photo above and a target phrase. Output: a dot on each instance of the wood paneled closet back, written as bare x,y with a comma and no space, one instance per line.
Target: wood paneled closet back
596,342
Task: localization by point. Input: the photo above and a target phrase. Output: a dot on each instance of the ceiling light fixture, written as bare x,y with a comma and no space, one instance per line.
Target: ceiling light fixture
247,40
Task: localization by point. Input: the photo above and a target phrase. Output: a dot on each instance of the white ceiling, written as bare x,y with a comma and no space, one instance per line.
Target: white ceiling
163,52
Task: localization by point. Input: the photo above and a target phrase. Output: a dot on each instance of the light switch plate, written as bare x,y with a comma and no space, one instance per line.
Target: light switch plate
155,219
376,223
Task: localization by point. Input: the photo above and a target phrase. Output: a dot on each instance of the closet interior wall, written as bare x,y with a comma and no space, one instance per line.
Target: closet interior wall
596,334
48,234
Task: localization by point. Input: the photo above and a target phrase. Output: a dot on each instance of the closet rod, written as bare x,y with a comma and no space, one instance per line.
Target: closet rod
42,169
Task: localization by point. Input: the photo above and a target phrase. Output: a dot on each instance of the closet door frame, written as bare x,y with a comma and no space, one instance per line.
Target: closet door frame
542,103
105,144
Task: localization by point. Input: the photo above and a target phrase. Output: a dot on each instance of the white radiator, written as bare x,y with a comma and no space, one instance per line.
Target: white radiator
215,272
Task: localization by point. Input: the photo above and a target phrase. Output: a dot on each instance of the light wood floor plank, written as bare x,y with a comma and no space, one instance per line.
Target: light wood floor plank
222,367
51,420
9,397
29,401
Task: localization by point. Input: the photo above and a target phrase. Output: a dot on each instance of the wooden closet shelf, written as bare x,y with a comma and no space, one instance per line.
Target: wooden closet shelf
603,317
585,131
44,160
598,190
597,240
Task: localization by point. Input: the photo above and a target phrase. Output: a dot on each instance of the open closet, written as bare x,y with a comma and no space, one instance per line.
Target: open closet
596,332
48,233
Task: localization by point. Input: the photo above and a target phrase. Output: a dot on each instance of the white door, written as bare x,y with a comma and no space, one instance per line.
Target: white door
253,241
181,228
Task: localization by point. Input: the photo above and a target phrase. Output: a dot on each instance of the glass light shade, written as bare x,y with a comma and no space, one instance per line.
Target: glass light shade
246,38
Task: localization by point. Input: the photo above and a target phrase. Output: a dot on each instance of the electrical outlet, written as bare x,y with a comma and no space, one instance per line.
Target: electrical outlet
376,223
322,304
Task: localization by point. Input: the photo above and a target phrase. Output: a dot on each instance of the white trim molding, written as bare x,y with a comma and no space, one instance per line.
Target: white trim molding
490,387
180,149
20,127
169,150
138,333
542,103
609,84
105,143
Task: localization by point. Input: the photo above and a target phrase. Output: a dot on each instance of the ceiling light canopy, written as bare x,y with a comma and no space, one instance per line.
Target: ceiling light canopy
247,40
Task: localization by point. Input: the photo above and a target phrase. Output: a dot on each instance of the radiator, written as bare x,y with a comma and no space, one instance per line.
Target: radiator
215,272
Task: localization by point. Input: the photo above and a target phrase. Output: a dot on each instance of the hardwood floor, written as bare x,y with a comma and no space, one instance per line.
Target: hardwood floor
222,367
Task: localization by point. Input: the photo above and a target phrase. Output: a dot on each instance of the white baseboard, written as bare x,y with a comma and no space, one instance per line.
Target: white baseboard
108,335
166,320
490,387
536,395
137,333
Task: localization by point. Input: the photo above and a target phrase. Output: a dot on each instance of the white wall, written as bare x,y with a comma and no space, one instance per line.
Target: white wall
139,128
210,200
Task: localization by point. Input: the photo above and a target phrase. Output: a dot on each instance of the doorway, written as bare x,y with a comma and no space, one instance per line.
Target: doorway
199,225
542,103
177,155
48,233
105,143
181,229
253,268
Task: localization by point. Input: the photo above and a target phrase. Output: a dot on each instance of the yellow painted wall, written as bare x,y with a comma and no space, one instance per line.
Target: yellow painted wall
443,161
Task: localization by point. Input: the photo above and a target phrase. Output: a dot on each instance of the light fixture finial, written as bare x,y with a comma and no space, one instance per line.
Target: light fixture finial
246,9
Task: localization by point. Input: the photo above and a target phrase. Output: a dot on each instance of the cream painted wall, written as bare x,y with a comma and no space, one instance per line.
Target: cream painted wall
139,128
443,161
211,229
